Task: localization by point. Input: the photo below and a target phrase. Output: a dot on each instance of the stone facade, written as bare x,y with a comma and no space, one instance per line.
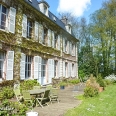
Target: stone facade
34,43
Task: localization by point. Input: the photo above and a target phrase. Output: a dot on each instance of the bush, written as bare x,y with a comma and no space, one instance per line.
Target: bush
89,91
7,92
112,78
28,84
91,88
100,81
74,81
7,83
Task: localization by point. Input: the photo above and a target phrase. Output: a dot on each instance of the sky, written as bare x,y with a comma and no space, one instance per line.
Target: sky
79,8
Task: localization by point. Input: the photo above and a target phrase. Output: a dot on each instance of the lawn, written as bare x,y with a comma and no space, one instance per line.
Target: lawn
103,105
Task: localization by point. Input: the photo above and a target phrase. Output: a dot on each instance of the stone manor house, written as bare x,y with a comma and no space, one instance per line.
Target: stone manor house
34,43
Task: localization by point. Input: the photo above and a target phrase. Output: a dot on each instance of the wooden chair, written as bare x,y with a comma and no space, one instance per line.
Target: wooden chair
27,97
54,95
44,98
18,95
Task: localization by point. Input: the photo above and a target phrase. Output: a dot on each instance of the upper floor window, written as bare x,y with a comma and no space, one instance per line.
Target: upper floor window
29,29
66,46
56,41
26,27
3,15
7,18
45,38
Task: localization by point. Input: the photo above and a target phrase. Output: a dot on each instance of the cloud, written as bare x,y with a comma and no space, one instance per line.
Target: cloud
75,7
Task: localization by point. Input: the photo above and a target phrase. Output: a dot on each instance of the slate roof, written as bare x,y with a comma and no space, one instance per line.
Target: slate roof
35,3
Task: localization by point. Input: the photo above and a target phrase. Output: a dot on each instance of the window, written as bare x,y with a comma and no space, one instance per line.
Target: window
55,68
2,58
56,41
3,15
66,69
30,0
43,68
66,48
45,36
45,9
72,70
73,49
29,28
28,62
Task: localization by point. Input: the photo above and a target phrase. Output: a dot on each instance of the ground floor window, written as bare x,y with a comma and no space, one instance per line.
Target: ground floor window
72,69
28,62
66,68
55,68
2,58
43,68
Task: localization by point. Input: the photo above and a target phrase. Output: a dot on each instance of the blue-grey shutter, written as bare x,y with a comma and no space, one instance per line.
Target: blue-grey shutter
22,66
36,31
24,26
41,33
36,67
10,63
52,39
49,37
52,69
40,61
12,15
68,47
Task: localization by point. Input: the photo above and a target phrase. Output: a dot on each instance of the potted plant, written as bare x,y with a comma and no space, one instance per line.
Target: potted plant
62,85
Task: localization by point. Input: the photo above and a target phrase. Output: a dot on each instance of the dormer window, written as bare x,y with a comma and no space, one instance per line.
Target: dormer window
45,10
30,1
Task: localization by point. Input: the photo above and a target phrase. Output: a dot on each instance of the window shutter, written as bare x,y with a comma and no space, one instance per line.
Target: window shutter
24,26
68,47
22,66
12,15
40,61
36,30
36,67
52,39
49,70
68,69
58,42
10,62
49,37
41,33
52,69
71,48
63,69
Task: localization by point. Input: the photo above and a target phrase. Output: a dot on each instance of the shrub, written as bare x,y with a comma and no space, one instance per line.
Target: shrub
7,92
74,81
89,91
112,78
91,88
100,81
7,83
28,84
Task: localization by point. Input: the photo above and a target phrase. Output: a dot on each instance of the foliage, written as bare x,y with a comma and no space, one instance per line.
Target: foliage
7,92
100,81
28,84
91,88
111,78
62,83
89,91
74,81
7,83
13,109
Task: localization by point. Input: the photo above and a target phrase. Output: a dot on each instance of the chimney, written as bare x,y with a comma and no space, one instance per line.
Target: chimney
64,20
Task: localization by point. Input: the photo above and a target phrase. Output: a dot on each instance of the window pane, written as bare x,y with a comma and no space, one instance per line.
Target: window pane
4,9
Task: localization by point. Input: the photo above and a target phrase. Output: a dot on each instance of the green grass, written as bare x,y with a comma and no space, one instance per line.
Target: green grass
102,105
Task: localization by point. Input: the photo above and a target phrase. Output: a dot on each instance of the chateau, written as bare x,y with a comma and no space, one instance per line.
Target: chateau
34,43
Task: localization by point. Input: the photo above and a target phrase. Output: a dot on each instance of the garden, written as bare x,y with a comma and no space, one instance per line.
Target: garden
95,102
